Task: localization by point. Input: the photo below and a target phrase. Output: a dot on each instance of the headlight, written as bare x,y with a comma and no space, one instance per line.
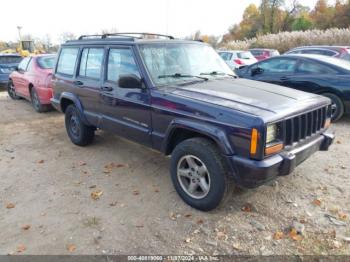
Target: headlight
271,133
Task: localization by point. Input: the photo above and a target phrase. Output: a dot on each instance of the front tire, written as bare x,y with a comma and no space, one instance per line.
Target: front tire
11,91
337,106
79,133
200,174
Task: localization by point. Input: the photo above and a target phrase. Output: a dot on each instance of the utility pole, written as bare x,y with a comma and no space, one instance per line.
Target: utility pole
19,32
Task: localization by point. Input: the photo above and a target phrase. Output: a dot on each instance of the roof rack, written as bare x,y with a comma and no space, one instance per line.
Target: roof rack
130,36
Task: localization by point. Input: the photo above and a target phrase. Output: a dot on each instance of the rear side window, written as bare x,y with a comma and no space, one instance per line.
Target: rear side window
313,68
67,60
46,62
121,62
256,52
91,62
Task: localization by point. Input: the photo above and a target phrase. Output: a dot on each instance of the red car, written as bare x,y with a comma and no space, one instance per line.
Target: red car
32,80
263,53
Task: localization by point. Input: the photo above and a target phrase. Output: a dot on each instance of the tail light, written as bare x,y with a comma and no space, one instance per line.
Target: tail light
48,82
239,62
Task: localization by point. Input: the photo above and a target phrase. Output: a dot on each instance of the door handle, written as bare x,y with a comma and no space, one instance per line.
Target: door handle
284,78
107,88
78,83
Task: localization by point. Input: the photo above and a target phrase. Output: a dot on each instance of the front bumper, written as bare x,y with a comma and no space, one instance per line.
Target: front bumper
252,173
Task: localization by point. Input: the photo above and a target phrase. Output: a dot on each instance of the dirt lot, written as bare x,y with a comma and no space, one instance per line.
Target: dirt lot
46,205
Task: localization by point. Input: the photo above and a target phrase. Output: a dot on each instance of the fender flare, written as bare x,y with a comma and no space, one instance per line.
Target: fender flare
77,103
214,132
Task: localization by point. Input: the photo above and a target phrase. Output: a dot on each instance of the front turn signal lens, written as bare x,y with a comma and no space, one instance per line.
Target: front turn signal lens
327,123
273,149
254,141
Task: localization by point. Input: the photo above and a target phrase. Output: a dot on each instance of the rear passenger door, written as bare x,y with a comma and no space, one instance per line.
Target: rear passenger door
125,110
88,81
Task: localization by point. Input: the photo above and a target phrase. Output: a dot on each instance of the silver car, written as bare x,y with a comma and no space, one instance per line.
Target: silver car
236,58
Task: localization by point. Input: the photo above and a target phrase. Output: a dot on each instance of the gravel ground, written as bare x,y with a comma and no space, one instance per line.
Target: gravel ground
116,197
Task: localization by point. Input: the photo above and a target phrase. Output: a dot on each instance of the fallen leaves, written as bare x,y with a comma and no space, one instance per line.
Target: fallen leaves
135,192
221,235
95,195
278,235
41,161
317,202
71,247
247,207
21,248
342,216
113,204
109,167
26,227
200,221
188,215
293,234
10,205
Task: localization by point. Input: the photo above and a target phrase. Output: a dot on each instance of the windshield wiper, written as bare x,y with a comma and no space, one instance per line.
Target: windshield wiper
178,75
218,73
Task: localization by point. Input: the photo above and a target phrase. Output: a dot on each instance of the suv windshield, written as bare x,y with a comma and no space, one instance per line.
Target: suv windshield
10,59
188,60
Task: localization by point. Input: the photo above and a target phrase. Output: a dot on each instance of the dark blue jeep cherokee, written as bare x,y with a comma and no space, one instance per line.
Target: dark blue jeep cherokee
179,97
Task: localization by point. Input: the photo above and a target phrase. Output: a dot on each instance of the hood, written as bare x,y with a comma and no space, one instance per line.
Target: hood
253,97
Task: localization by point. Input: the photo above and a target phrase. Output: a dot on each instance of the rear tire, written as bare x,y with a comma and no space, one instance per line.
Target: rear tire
200,174
36,102
79,133
11,91
337,106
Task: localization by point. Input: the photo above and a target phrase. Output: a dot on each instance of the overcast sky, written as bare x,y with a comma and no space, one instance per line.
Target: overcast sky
175,17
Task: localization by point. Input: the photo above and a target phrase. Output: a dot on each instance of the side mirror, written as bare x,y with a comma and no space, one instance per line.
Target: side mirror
130,81
257,71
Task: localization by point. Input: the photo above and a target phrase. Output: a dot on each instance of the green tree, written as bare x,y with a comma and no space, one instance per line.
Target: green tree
302,23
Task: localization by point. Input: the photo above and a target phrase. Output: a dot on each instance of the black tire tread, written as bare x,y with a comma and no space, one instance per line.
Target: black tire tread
87,132
212,150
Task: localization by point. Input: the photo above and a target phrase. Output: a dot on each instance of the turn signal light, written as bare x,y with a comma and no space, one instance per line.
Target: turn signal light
273,149
254,141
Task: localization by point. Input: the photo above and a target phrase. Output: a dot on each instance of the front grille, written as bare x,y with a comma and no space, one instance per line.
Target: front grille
305,125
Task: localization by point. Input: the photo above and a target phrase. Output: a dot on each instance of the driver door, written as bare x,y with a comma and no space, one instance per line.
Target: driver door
125,111
274,70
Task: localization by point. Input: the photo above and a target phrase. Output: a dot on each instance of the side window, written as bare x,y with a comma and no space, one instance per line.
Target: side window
23,65
91,62
306,67
278,66
121,62
319,52
30,65
67,60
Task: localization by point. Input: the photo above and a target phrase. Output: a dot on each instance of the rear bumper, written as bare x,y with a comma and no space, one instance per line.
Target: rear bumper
251,173
56,104
45,94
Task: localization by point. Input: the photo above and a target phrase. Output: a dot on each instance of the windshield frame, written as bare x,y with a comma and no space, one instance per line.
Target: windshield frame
183,81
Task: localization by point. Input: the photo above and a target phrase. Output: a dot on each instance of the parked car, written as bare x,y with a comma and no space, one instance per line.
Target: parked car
8,63
179,97
317,74
263,53
342,52
32,80
236,59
